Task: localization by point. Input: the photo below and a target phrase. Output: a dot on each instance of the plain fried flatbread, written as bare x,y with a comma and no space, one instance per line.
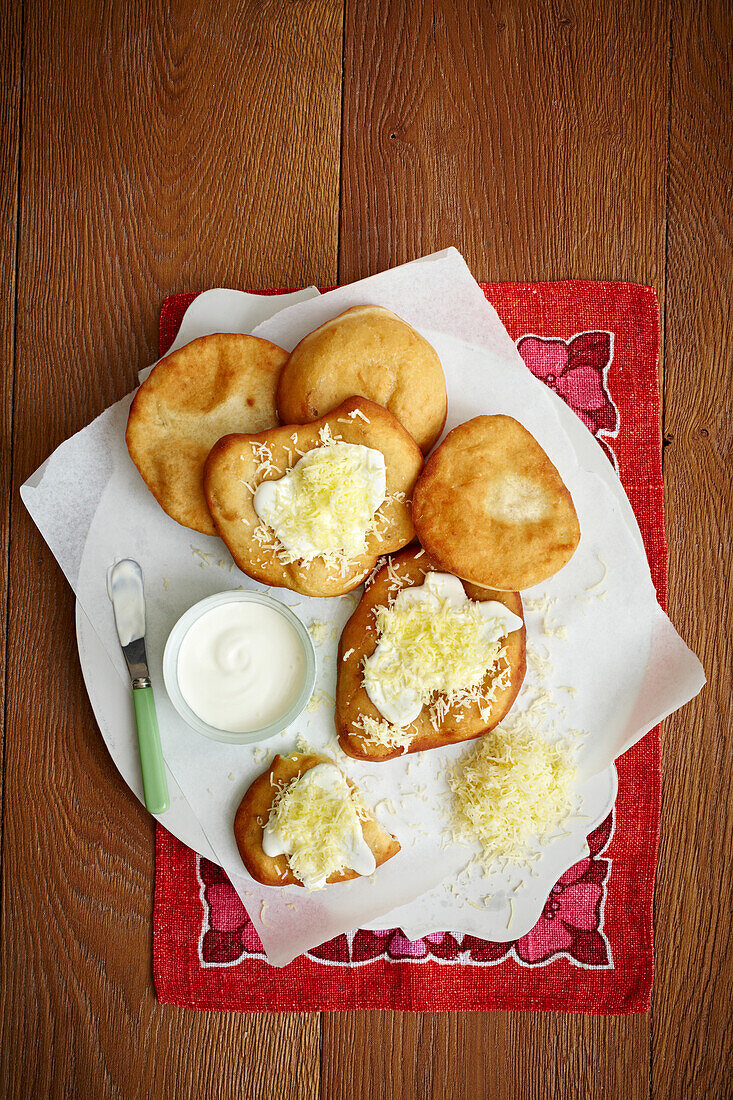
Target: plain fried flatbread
236,467
254,811
491,507
359,640
212,386
370,352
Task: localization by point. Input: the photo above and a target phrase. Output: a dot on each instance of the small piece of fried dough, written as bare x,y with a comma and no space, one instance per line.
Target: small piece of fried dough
214,385
239,463
491,508
359,640
254,811
370,352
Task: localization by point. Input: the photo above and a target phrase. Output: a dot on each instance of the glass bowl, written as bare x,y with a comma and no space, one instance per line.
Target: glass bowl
170,669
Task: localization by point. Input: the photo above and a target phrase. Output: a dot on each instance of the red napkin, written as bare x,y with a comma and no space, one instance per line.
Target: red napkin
592,950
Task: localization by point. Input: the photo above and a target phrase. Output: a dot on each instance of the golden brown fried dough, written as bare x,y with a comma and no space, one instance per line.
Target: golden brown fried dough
491,508
214,385
373,353
233,465
359,640
254,811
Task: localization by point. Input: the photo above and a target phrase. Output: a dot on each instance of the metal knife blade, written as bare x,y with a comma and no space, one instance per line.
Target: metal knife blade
125,589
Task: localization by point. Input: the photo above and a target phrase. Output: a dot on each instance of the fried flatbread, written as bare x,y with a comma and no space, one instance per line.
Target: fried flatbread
234,470
491,507
254,811
370,352
212,386
359,640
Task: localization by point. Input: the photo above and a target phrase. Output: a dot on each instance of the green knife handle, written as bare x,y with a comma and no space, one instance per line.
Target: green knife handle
155,781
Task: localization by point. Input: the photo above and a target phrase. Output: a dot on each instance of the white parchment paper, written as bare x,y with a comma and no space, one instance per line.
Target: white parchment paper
596,625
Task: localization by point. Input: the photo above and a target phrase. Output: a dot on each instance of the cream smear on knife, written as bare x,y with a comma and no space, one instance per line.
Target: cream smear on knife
241,666
125,590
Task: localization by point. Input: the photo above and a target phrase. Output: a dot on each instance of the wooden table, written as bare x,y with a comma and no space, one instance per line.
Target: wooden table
160,146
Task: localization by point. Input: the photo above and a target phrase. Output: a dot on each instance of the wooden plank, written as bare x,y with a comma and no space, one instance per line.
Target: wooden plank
10,96
534,139
463,1056
691,1050
531,136
164,147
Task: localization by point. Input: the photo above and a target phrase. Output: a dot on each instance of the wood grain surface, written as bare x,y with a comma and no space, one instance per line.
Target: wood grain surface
691,1049
160,145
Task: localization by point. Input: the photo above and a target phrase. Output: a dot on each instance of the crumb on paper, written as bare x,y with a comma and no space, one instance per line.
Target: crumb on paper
165,583
231,775
592,588
205,559
320,631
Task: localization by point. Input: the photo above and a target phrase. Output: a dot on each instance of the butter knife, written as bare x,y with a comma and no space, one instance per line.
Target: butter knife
125,590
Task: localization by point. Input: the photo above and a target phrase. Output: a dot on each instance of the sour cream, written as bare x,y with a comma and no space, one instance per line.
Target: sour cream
395,686
326,503
241,666
347,843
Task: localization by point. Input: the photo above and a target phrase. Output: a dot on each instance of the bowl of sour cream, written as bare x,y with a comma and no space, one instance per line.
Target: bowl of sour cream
239,667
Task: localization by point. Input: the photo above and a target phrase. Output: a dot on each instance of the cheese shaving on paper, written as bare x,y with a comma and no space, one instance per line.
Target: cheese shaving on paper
509,791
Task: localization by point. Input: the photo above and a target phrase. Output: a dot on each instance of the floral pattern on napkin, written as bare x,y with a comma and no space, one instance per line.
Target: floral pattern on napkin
570,926
577,369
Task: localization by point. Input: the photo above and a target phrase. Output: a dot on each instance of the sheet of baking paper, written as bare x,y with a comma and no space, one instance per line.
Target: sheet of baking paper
92,508
222,310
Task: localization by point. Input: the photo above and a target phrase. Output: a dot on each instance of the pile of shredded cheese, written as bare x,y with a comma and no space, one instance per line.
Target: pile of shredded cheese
316,824
511,790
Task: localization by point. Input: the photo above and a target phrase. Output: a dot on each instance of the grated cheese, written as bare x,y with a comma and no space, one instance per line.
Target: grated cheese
509,791
319,826
320,631
329,507
435,652
382,733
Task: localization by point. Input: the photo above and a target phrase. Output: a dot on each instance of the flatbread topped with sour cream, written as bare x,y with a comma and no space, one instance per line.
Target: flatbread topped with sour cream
320,825
214,385
371,352
491,507
448,670
312,507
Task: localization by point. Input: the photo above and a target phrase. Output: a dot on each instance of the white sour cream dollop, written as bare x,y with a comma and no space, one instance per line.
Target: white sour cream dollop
327,502
346,843
241,666
395,686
